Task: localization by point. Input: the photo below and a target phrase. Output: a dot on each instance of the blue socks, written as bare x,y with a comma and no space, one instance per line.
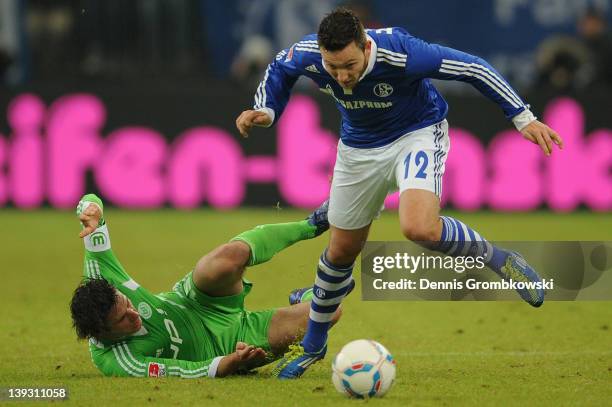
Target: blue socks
458,239
330,287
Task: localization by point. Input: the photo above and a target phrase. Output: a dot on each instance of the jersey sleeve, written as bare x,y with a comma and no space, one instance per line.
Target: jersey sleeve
438,62
104,265
274,90
121,360
100,261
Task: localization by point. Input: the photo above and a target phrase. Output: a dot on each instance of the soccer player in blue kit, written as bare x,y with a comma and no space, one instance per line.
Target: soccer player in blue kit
393,135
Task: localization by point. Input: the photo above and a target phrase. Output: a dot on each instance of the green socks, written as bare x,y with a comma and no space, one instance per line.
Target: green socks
267,240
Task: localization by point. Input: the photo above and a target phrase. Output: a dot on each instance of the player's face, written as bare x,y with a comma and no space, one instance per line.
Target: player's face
347,65
123,319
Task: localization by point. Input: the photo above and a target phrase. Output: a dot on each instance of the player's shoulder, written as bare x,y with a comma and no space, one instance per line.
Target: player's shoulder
305,51
390,46
394,39
308,41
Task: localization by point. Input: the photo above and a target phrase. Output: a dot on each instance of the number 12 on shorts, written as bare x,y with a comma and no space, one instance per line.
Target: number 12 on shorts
420,160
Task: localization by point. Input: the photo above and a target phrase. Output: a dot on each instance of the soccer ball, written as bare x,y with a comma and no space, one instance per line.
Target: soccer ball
362,369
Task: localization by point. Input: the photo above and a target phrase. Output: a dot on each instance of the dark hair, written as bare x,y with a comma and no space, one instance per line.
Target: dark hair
339,28
91,303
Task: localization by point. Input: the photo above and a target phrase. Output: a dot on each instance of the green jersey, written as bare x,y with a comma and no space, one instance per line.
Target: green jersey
172,341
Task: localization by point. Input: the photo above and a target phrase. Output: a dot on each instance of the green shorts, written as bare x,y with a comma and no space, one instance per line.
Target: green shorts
225,318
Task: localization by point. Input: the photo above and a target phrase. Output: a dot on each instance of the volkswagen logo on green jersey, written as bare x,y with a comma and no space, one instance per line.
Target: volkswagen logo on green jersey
145,310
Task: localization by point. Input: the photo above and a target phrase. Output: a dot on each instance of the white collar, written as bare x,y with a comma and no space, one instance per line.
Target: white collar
141,332
372,60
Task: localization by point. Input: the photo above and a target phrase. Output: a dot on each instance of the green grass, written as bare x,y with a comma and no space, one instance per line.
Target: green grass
462,353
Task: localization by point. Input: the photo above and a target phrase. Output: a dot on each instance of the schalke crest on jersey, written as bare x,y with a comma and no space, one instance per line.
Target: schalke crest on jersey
383,89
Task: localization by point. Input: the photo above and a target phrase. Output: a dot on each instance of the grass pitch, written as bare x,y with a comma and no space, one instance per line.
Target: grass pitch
461,353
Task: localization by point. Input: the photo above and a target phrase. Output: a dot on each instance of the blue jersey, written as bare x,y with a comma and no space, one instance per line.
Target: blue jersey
395,95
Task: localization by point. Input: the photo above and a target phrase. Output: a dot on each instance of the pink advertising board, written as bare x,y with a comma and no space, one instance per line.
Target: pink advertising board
51,148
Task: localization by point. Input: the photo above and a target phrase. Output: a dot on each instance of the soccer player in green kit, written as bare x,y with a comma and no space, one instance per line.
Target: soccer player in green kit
200,328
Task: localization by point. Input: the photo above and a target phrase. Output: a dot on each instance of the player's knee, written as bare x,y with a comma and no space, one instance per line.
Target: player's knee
419,231
233,255
227,260
340,255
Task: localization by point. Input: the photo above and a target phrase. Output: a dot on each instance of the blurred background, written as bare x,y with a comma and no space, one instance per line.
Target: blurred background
136,100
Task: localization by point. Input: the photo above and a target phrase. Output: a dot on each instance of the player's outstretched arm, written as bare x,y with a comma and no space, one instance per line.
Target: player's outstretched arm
272,93
100,261
438,62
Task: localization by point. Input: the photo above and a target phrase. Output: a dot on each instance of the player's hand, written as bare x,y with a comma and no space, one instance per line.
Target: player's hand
249,356
539,133
246,357
250,118
90,218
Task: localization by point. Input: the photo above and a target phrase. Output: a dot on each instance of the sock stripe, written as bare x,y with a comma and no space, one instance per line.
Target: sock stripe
324,309
460,234
461,239
457,239
448,232
328,301
331,294
476,246
329,279
488,254
446,239
331,286
466,239
472,235
331,272
320,318
453,242
444,231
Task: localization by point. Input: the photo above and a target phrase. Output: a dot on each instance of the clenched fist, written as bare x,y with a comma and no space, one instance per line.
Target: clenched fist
250,118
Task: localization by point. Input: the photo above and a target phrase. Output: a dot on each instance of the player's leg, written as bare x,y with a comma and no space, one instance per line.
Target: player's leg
332,283
276,330
359,187
419,215
333,279
419,172
289,324
219,273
